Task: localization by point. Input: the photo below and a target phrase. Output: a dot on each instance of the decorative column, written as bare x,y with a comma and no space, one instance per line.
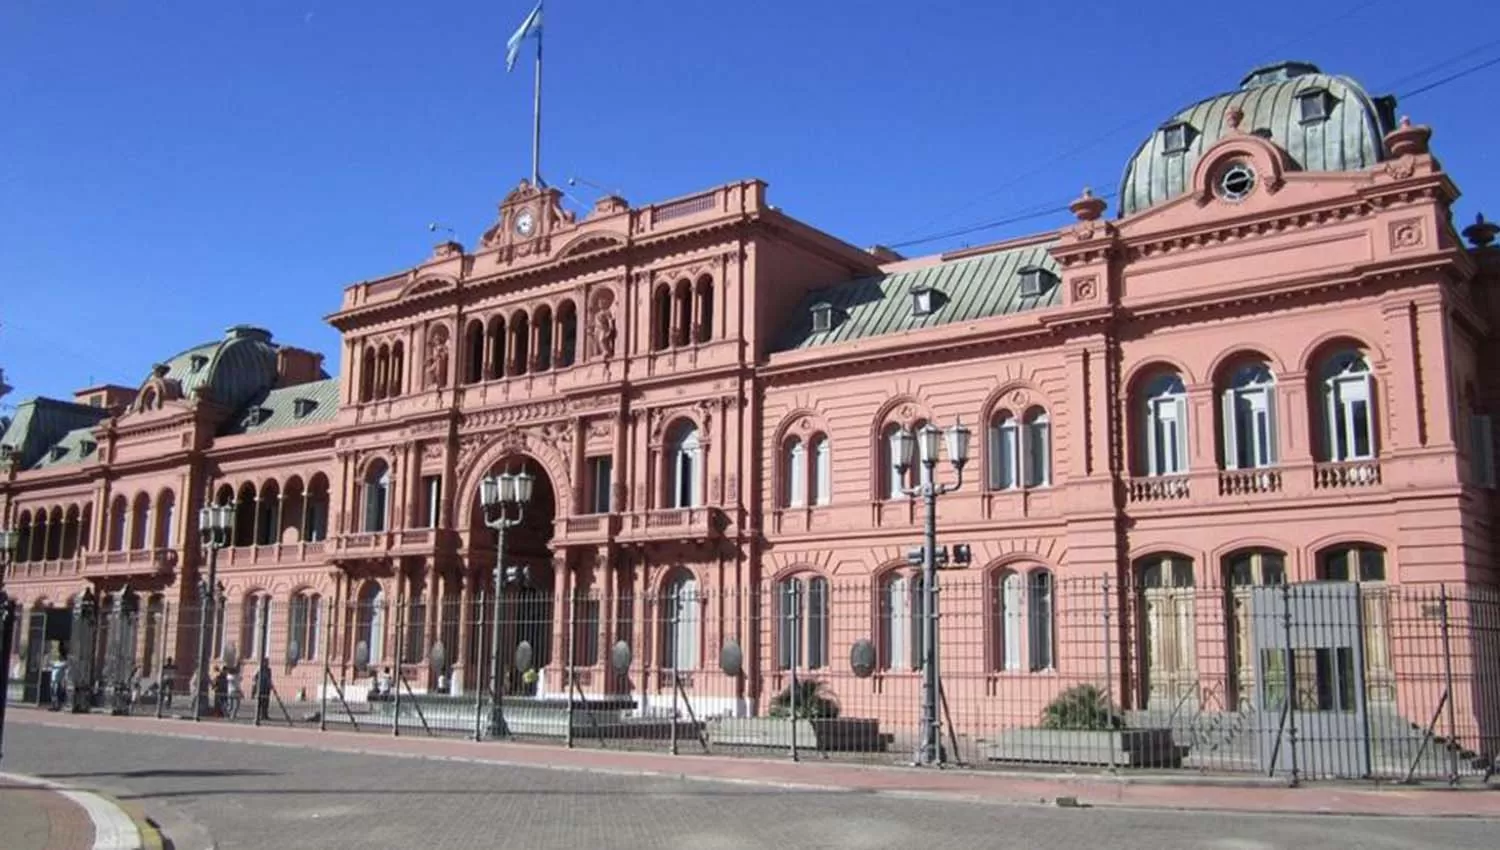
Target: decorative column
462,660
562,617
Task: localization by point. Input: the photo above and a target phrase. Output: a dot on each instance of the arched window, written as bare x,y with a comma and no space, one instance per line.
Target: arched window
119,521
1348,401
679,622
268,515
1008,603
822,470
703,330
255,634
795,472
70,532
567,331
166,506
802,623
893,483
520,343
303,625
371,621
140,523
1005,451
54,534
1247,416
244,516
900,606
683,309
474,352
684,466
367,375
1039,620
383,372
543,338
377,487
1360,562
23,541
398,367
661,318
497,347
1163,430
1036,445
317,509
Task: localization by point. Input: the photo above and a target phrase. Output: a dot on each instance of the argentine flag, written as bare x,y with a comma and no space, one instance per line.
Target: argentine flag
529,27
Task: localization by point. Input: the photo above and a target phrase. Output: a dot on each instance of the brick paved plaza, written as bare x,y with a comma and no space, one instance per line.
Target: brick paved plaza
251,796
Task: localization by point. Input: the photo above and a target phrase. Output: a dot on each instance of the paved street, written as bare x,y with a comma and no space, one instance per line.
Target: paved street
256,796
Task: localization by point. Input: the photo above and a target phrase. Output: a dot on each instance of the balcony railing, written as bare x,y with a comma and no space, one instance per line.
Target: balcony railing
589,527
1247,482
1162,488
135,562
271,553
1346,474
690,523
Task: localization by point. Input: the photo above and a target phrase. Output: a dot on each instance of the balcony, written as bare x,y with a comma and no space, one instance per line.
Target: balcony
676,524
52,568
1159,488
272,554
364,544
1249,482
589,528
1346,475
139,562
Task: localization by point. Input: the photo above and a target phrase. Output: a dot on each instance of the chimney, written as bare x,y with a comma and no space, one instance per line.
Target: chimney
297,366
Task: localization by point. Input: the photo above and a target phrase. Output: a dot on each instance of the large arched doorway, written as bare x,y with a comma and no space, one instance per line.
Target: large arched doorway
526,607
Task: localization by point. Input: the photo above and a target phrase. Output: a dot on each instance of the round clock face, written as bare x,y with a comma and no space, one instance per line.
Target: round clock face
525,223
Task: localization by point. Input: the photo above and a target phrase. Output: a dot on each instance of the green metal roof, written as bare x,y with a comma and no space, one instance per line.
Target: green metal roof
41,422
1350,138
977,287
76,446
273,410
235,368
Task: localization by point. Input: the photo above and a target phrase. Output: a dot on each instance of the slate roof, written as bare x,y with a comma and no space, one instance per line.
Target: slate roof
40,423
1351,138
976,287
273,410
236,367
76,446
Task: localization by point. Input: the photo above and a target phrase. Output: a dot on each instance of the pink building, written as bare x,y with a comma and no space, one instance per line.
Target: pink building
1267,367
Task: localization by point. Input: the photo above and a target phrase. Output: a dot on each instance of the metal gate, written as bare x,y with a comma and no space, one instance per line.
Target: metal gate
1309,676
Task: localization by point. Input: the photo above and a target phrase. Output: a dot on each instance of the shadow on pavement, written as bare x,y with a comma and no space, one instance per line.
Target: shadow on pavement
161,774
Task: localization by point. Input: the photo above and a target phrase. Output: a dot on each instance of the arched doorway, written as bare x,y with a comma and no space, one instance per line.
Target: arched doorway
1167,632
526,608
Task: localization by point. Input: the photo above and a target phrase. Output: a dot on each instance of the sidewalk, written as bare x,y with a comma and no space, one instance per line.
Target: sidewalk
1177,792
38,815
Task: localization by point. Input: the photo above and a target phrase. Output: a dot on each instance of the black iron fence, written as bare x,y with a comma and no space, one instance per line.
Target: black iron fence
1315,680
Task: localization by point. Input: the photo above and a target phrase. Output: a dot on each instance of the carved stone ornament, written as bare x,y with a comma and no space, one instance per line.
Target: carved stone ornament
432,450
436,364
1019,398
1085,288
1406,233
1402,167
604,333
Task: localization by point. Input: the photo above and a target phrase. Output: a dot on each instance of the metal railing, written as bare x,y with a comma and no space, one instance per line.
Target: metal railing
1302,681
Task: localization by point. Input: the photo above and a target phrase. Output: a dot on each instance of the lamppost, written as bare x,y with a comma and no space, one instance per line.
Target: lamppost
498,494
925,442
8,540
215,523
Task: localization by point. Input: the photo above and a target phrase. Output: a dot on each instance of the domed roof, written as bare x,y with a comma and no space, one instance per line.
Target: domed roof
1323,121
234,368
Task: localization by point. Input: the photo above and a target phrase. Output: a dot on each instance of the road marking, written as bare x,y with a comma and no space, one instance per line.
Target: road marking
113,828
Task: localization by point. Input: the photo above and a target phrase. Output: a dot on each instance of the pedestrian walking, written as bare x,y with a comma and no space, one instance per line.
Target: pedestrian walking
262,691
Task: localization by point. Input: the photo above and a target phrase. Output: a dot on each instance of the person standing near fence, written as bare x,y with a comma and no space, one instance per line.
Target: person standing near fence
59,681
262,691
168,675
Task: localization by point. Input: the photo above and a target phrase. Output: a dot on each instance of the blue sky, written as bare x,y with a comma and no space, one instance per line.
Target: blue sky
171,168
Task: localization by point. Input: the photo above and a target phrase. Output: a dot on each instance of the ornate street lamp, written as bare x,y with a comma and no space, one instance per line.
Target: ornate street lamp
215,525
499,495
9,539
925,443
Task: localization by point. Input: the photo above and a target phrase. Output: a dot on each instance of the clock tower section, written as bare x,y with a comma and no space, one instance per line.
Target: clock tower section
529,216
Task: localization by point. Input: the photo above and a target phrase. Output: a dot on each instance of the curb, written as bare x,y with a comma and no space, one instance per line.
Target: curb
114,828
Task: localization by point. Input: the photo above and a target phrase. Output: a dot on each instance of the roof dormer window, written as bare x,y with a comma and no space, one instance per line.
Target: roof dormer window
923,300
58,452
1314,105
256,415
302,406
1176,136
822,317
198,362
1034,281
86,447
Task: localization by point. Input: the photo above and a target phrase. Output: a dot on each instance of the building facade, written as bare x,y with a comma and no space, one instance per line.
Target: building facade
1267,367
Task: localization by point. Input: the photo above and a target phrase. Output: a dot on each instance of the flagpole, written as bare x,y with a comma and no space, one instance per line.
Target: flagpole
536,114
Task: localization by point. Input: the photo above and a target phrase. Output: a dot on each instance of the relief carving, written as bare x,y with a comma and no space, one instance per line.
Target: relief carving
1406,233
604,333
432,450
1085,288
437,358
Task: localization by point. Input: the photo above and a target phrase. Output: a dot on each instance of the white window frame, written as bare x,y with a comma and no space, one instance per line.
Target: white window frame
802,641
1005,452
1347,384
1036,448
377,501
680,644
1041,616
1165,432
1010,598
796,473
687,468
1248,411
822,470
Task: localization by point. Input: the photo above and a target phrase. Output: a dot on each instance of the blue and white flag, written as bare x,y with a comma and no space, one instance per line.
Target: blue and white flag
532,26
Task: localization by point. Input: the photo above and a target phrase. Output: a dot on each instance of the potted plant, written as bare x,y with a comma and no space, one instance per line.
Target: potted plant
1082,726
813,716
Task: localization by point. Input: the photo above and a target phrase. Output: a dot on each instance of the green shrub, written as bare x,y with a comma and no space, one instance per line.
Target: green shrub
812,701
1081,707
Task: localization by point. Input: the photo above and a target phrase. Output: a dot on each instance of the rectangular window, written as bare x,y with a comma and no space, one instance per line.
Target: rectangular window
432,500
1167,447
1482,454
600,470
1003,451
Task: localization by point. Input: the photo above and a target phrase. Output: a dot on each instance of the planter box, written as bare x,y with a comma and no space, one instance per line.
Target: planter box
1120,747
831,734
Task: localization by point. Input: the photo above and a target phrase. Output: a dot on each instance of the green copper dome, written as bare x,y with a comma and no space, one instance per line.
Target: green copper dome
1323,121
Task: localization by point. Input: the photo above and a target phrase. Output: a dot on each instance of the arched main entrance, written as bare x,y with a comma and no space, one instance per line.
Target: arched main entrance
526,609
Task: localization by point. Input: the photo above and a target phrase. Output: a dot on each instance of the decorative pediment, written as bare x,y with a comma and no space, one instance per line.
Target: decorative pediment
428,284
527,214
589,243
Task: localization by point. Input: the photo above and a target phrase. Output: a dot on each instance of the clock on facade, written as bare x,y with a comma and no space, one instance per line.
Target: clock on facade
525,223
